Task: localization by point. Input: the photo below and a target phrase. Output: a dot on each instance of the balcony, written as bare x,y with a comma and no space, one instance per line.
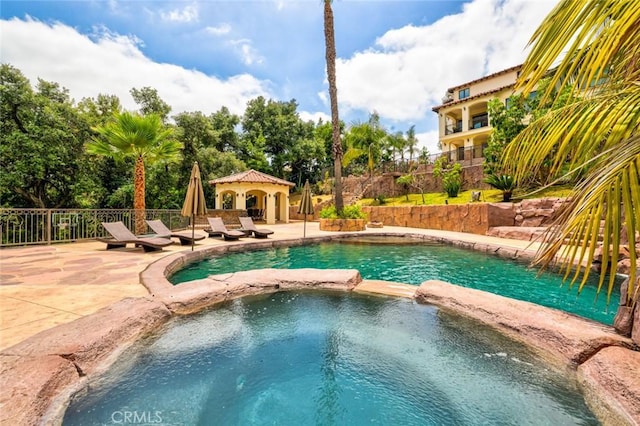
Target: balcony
453,128
479,121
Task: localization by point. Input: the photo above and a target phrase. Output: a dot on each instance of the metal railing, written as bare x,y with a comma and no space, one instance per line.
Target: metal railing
45,226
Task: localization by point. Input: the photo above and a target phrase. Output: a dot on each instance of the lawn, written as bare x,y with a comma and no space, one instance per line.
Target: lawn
487,195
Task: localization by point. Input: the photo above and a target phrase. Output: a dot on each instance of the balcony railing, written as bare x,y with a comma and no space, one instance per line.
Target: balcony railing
45,226
479,122
467,156
453,128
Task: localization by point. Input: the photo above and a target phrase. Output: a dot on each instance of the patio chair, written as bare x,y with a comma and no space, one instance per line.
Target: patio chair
217,225
248,225
122,236
185,237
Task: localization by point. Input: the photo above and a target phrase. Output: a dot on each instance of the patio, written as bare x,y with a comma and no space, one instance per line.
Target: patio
44,286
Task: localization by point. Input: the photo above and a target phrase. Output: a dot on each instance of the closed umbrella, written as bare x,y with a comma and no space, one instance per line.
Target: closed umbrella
194,202
306,205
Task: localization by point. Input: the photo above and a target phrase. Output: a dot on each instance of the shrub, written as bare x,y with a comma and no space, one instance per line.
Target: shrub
504,183
348,212
451,174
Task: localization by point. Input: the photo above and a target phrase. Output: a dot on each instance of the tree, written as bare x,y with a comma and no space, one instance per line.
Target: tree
365,139
41,143
406,181
398,144
151,103
276,127
451,175
506,124
412,142
100,178
143,138
224,126
330,56
595,135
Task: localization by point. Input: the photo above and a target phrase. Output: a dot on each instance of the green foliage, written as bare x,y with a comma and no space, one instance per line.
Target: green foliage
380,200
352,211
406,181
150,102
365,140
451,175
41,143
506,124
592,48
505,183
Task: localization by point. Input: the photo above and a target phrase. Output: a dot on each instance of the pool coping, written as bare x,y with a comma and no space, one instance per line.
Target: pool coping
76,353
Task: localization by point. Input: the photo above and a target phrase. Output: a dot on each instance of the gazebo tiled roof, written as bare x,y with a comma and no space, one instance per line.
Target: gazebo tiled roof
251,176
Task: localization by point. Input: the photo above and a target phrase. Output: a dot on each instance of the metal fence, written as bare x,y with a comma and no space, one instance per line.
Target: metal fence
45,226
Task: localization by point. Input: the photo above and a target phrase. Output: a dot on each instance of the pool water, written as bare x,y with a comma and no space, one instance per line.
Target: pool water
311,358
418,262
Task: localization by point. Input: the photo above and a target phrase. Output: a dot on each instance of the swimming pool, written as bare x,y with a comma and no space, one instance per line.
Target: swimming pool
414,262
328,358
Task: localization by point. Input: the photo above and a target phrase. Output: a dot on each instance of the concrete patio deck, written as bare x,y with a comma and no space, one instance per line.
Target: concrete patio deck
44,286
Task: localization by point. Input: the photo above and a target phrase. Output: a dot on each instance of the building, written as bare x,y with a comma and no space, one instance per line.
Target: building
263,196
463,119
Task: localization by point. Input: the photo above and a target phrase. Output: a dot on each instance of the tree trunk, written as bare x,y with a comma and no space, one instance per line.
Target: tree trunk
138,196
330,56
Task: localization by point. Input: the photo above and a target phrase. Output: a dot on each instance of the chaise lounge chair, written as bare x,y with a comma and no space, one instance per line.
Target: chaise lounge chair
163,232
217,225
122,236
250,227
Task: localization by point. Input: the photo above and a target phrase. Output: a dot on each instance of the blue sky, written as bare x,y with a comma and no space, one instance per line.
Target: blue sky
395,57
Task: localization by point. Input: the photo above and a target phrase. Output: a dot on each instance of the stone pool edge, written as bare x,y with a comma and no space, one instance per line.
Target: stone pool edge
40,374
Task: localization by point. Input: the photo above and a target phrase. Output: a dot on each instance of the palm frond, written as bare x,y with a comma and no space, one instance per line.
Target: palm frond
593,46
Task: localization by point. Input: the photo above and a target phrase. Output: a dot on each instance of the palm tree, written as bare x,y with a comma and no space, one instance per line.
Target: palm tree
330,56
594,136
143,138
365,139
412,142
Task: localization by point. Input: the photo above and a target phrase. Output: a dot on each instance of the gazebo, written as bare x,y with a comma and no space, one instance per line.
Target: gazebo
265,197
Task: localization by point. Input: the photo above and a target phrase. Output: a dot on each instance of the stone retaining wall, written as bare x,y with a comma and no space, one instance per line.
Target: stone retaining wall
474,218
523,220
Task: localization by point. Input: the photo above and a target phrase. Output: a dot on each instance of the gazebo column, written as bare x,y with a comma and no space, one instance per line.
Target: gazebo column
270,209
242,201
285,209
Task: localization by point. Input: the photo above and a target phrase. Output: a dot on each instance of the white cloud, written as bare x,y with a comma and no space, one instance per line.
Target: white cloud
314,116
219,30
113,64
247,52
409,69
187,14
428,140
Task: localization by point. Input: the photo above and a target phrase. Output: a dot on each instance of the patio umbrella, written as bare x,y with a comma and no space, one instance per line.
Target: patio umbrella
194,202
306,205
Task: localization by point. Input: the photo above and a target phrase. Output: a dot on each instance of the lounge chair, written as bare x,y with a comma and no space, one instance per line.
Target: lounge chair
122,236
249,226
186,238
217,225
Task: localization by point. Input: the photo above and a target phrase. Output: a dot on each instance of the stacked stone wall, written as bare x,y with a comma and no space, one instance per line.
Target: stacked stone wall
475,218
385,184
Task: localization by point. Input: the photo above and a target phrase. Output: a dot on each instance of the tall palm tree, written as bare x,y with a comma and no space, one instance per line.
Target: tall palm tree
143,138
412,142
365,139
330,56
594,136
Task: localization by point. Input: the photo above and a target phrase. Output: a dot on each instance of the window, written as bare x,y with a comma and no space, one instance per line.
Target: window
480,120
464,93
